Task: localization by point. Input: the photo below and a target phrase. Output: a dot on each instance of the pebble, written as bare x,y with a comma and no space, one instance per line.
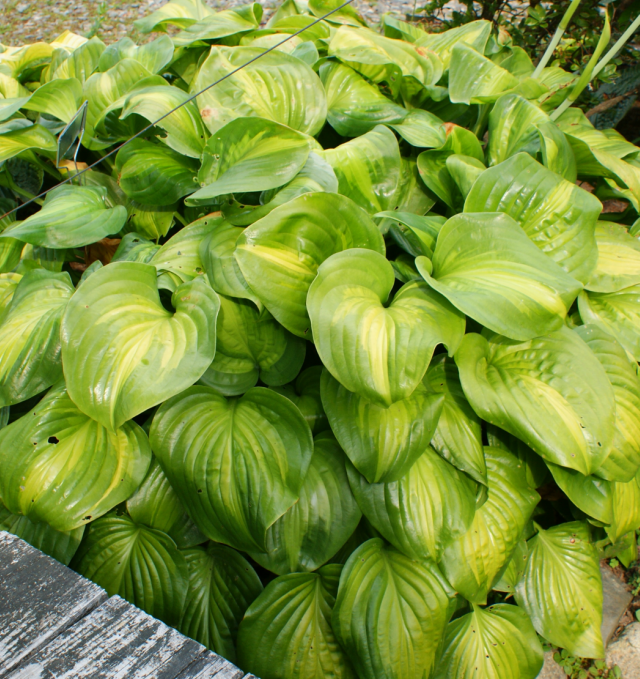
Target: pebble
625,652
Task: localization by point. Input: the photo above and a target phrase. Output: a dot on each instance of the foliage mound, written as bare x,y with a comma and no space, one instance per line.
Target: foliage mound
334,368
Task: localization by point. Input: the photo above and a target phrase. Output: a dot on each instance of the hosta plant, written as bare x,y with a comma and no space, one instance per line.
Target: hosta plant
334,366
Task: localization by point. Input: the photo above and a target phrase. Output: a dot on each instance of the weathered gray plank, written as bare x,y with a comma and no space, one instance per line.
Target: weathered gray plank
116,640
211,665
39,598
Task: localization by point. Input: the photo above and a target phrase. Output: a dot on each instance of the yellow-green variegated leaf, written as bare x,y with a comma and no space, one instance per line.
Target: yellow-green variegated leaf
617,313
458,436
485,265
123,352
382,443
8,284
72,216
280,254
305,394
222,585
368,169
249,154
557,154
623,461
590,494
464,171
175,13
154,55
78,63
156,505
490,643
474,561
515,569
618,264
391,612
286,633
415,234
277,86
228,22
558,216
140,564
320,522
475,34
59,466
535,467
625,505
550,392
373,346
23,139
236,464
561,589
474,79
251,345
59,98
422,512
185,132
422,129
30,335
355,106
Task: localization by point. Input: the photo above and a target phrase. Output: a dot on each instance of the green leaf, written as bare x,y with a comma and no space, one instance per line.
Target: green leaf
422,129
458,436
617,313
422,512
61,467
618,264
79,63
135,248
8,284
153,174
464,171
175,13
474,79
251,345
283,251
152,221
184,127
320,522
222,24
305,394
59,98
287,634
492,643
557,154
24,139
249,154
485,265
550,392
558,216
515,569
156,505
625,509
535,467
277,87
154,55
61,545
72,216
391,612
222,585
475,34
30,335
623,461
236,471
123,352
368,169
377,349
562,589
354,105
590,494
140,564
474,561
382,443
415,234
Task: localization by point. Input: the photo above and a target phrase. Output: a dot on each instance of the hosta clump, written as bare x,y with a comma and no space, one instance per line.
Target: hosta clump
335,359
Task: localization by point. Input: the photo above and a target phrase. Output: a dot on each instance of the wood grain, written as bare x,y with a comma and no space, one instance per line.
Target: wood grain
210,665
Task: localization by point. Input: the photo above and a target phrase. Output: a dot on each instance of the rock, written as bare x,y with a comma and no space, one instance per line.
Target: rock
616,599
551,669
625,651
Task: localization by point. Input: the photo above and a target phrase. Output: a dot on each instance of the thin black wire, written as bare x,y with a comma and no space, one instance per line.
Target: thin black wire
173,110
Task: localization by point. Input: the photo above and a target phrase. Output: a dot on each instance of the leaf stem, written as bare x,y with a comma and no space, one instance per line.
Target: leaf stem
618,46
551,48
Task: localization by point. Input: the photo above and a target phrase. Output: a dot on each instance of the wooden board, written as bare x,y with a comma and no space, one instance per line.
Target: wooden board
210,665
115,641
39,598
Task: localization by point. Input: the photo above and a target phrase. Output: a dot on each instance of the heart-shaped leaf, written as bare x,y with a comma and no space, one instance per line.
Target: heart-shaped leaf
432,504
45,453
72,216
141,564
23,139
221,25
492,643
320,522
222,585
475,34
154,55
391,612
550,392
382,443
237,464
175,13
60,98
618,259
286,633
30,335
377,349
486,266
305,394
561,589
123,352
474,561
283,251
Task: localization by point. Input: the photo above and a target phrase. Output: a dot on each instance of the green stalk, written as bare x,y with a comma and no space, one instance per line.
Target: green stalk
588,72
551,47
618,46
